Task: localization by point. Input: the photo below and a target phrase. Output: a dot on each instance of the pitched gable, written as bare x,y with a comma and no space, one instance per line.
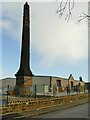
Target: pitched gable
71,77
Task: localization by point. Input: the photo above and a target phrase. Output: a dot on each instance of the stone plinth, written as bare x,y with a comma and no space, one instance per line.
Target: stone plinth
23,86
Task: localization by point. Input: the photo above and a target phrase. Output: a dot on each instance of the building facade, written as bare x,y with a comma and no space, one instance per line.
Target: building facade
49,84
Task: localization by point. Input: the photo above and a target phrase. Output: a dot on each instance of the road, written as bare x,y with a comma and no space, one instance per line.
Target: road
80,111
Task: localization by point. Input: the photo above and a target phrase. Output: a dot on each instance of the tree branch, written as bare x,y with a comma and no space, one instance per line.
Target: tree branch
83,16
62,8
70,5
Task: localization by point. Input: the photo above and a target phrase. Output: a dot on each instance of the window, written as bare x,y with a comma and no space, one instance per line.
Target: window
59,83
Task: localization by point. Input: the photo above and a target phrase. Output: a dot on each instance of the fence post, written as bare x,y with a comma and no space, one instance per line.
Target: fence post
35,91
7,93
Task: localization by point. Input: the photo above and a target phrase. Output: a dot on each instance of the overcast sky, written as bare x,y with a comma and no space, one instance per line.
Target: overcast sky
58,48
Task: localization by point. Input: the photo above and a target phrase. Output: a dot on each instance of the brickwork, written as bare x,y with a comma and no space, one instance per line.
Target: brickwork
24,73
65,82
40,103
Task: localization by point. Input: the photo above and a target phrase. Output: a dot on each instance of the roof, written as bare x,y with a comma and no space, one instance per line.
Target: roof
7,81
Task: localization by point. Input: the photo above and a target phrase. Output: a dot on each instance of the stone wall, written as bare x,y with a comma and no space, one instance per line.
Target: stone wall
39,103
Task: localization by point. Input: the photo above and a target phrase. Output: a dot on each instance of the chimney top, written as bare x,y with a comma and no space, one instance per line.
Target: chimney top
26,3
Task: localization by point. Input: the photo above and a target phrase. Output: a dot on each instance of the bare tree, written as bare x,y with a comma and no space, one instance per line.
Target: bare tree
69,5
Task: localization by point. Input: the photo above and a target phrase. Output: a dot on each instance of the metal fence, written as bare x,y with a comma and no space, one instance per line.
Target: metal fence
37,90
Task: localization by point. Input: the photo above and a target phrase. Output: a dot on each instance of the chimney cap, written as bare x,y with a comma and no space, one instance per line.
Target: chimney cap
26,3
80,78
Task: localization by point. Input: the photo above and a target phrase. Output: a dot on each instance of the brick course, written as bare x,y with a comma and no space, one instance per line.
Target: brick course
29,105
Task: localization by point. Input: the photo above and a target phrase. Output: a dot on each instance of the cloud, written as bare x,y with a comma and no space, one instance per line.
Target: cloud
51,38
42,0
58,40
11,20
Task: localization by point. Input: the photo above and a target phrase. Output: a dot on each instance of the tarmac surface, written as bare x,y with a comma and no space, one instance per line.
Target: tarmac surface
80,111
